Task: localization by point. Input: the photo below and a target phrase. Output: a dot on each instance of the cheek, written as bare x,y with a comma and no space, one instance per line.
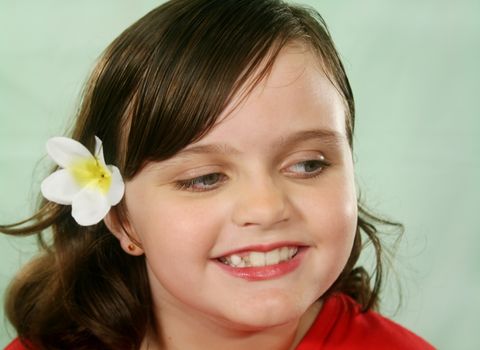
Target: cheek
334,220
341,213
333,223
173,227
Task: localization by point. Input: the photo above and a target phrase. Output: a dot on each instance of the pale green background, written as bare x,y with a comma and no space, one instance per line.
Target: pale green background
415,70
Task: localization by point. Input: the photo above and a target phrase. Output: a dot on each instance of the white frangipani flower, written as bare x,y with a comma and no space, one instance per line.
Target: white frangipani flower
85,182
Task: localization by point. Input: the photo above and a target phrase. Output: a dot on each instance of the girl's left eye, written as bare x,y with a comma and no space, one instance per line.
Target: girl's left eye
201,183
307,168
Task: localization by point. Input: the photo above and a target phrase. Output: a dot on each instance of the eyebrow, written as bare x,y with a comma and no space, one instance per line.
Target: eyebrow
329,137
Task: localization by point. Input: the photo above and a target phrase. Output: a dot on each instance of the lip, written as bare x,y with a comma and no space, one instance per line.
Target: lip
261,273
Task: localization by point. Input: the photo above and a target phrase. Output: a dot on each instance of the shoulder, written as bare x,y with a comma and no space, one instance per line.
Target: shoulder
341,325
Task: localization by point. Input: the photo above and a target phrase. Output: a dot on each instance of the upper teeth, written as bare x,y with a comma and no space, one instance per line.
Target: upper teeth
254,259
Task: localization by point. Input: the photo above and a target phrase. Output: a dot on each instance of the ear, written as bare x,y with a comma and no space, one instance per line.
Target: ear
124,233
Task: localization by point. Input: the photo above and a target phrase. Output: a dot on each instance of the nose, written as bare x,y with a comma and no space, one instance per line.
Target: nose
262,204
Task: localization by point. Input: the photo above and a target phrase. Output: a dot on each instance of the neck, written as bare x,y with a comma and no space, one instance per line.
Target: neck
191,333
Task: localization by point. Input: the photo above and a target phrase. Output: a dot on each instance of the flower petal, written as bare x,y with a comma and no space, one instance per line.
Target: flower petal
89,206
117,187
99,151
64,150
59,187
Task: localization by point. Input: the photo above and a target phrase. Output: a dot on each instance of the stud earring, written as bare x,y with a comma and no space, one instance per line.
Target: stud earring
131,247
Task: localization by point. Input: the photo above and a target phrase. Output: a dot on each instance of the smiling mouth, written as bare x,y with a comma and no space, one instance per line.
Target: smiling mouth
260,259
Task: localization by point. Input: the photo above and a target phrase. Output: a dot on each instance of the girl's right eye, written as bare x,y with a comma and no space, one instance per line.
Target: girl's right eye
201,183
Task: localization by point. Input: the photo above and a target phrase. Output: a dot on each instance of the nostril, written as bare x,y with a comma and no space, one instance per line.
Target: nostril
262,203
252,217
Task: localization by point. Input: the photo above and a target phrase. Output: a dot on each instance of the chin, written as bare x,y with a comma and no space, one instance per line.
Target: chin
266,311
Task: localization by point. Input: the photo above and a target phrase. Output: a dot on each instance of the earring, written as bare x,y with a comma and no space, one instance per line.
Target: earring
131,247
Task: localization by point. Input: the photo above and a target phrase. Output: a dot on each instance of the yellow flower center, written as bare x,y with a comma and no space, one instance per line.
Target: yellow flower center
90,172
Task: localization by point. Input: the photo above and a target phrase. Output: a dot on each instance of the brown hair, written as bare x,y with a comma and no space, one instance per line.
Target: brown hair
157,88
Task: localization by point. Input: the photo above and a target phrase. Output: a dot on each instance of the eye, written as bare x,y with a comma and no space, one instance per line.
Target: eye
201,183
307,168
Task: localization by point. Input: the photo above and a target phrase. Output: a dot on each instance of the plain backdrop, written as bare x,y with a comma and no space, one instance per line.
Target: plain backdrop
414,69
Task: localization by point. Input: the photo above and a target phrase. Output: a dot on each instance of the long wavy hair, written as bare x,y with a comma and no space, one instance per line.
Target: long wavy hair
158,87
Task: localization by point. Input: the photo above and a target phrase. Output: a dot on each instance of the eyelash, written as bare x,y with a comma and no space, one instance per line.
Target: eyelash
321,165
219,178
189,184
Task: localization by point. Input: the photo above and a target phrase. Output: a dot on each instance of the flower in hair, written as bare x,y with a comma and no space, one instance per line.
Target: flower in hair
84,181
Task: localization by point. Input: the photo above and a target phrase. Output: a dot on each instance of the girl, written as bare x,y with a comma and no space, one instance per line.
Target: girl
235,223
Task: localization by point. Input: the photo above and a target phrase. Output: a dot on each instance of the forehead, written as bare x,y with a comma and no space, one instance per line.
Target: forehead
295,95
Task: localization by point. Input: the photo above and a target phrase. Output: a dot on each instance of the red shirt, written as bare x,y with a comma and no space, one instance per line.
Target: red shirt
341,326
15,345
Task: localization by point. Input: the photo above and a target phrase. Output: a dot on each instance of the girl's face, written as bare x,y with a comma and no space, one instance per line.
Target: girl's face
249,226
